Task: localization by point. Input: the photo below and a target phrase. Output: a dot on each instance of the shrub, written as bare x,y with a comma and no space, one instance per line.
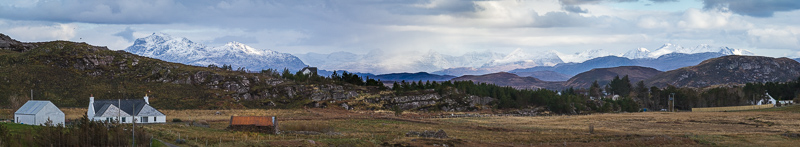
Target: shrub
176,120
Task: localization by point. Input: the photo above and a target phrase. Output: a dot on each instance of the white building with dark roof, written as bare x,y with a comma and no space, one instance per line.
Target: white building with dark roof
124,111
36,112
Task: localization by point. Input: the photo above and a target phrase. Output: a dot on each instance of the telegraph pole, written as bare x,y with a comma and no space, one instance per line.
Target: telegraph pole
672,98
133,131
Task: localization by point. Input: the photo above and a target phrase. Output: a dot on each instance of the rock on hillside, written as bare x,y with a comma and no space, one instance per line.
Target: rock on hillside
604,75
545,75
730,70
509,79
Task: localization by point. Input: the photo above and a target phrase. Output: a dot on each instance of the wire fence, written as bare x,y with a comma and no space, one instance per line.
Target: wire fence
732,108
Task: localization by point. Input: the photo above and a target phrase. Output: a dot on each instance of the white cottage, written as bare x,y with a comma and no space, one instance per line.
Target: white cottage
124,111
36,112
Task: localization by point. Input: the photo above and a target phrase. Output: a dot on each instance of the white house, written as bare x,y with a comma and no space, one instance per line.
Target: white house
769,101
309,70
124,111
36,112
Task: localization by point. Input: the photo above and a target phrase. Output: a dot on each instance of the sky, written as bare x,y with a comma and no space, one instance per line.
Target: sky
454,27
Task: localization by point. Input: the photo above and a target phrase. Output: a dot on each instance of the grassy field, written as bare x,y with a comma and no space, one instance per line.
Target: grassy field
766,127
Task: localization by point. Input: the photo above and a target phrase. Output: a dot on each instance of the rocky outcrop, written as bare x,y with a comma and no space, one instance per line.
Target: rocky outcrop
430,100
730,70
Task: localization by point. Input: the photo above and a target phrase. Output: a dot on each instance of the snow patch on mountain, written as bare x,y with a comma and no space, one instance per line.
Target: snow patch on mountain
637,53
582,56
519,58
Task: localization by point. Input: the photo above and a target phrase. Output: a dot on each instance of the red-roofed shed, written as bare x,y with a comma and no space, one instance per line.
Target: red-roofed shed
266,124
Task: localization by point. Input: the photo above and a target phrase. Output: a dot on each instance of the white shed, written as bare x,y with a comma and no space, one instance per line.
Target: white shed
36,112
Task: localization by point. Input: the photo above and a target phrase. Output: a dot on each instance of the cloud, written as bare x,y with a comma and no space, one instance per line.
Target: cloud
581,2
574,9
754,8
42,32
126,34
663,1
775,38
240,39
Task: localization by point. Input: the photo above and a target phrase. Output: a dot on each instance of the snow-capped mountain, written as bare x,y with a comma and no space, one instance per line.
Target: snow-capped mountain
181,50
669,48
165,47
521,58
583,56
637,53
439,61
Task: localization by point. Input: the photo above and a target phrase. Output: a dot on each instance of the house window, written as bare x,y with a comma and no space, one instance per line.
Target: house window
123,119
154,119
17,119
144,119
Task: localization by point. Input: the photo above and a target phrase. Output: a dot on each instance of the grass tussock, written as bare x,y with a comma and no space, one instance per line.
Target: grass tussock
315,127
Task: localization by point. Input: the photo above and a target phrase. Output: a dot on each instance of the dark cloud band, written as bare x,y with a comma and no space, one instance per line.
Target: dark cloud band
754,8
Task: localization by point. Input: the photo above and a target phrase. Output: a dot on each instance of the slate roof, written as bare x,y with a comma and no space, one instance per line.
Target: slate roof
311,69
127,105
32,107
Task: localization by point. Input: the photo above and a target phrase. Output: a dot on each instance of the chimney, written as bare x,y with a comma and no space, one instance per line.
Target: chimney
90,111
146,99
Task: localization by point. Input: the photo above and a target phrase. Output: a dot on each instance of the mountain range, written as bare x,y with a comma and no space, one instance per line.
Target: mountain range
726,70
182,50
675,60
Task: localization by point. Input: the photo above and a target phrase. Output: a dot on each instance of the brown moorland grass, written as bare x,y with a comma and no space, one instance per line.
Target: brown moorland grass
768,127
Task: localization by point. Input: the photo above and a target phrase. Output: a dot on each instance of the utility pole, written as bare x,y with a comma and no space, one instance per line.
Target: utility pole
672,98
133,131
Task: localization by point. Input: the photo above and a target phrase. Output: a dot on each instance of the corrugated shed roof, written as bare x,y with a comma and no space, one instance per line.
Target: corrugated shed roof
251,120
32,107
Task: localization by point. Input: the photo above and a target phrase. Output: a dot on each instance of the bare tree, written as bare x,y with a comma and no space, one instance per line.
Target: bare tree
16,101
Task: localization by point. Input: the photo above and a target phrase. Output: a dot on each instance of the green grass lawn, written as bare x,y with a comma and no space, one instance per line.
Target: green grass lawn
15,128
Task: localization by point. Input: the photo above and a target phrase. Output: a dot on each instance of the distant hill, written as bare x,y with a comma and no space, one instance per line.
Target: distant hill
675,60
604,75
423,76
730,70
545,75
460,71
511,80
